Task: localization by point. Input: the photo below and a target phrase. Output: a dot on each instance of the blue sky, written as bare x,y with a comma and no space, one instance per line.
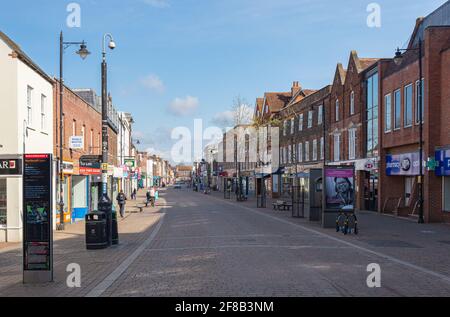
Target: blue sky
177,60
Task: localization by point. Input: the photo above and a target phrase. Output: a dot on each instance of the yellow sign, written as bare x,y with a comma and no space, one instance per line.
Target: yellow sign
105,166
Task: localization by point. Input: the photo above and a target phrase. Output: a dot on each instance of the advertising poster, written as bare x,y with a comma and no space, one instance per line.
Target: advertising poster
37,206
340,188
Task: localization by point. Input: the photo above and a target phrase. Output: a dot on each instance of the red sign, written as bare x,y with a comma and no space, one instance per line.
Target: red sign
90,171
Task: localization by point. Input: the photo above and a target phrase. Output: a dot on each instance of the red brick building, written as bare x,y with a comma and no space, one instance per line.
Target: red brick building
83,121
400,128
353,128
267,112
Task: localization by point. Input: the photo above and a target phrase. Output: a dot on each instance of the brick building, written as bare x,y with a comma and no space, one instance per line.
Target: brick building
400,163
83,121
301,133
267,112
352,133
115,172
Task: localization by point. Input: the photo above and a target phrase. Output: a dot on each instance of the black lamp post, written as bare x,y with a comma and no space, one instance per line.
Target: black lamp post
83,53
398,59
105,145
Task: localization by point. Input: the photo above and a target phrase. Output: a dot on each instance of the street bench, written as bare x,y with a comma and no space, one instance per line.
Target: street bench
282,205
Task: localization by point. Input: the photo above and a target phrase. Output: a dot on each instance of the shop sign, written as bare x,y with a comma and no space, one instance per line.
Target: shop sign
131,163
339,188
442,158
90,165
68,168
10,167
76,142
118,172
407,164
37,218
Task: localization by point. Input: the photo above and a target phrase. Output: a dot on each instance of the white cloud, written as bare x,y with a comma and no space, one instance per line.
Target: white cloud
158,3
153,83
223,119
184,106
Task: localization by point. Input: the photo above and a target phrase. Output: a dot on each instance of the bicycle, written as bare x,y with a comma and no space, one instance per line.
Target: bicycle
347,223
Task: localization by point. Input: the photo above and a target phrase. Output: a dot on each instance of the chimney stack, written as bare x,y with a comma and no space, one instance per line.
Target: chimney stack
295,88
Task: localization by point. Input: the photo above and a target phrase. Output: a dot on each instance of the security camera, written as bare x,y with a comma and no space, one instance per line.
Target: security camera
112,45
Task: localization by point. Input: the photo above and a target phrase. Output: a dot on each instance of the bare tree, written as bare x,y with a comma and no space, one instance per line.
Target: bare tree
242,111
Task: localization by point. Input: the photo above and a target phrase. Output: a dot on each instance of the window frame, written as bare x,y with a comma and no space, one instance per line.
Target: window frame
337,148
405,100
30,93
352,143
399,91
337,108
300,122
352,103
300,152
314,151
307,149
310,118
43,113
416,101
320,115
388,97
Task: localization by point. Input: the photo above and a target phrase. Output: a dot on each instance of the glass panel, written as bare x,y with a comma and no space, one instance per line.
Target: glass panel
446,194
408,106
3,202
397,105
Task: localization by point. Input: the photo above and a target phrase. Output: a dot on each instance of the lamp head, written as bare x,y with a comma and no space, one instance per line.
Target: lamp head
398,58
112,45
83,51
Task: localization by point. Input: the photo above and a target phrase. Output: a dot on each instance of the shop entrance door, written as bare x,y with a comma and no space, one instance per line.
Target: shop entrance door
371,191
409,184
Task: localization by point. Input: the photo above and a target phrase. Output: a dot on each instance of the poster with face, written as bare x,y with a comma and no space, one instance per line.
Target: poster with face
340,188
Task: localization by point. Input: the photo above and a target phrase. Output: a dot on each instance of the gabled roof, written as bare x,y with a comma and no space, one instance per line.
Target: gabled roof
259,104
24,57
300,95
277,100
362,63
439,17
340,74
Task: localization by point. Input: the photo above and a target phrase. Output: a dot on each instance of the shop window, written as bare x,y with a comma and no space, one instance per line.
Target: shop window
408,107
3,203
446,194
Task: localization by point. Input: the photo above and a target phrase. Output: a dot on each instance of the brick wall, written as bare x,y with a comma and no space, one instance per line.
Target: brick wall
77,111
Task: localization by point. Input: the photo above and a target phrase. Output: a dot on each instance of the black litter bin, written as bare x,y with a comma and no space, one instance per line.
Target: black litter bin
115,229
96,235
105,205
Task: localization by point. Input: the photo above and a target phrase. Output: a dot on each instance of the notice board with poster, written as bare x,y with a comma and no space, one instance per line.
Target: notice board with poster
340,188
37,218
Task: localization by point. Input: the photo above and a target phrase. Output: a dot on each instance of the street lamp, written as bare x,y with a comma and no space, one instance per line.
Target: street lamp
83,53
105,145
398,59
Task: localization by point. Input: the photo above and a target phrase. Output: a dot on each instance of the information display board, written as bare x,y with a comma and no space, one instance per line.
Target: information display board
339,188
37,218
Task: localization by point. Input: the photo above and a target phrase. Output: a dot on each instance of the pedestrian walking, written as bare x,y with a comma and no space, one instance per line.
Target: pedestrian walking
133,194
121,200
149,198
152,194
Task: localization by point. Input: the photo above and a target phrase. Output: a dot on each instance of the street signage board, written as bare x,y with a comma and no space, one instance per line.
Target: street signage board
90,165
10,167
406,164
442,158
37,219
76,142
131,163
